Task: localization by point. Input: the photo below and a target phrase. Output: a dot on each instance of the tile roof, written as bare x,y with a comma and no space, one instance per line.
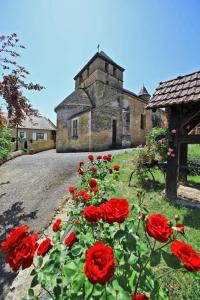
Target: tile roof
37,123
78,97
183,89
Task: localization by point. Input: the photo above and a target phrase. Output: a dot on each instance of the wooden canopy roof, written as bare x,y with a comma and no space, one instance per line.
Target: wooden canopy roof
183,89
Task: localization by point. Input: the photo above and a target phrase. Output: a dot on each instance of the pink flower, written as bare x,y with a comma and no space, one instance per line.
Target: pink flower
173,131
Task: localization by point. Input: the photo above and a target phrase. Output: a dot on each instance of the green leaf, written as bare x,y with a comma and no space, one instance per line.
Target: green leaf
155,258
119,234
132,259
88,288
76,250
57,291
124,283
131,241
142,247
34,281
39,261
122,295
31,292
171,260
69,268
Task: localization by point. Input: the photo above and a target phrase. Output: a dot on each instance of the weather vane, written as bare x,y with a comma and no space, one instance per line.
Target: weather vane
98,46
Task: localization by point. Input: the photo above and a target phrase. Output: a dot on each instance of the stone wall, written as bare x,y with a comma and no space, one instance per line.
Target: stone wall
137,108
65,140
38,146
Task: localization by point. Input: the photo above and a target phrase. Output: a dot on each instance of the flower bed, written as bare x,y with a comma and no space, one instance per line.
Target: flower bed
102,255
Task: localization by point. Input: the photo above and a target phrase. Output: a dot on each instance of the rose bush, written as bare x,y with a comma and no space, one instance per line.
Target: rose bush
107,249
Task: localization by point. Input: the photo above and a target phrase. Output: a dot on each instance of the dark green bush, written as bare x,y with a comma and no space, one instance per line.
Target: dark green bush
5,142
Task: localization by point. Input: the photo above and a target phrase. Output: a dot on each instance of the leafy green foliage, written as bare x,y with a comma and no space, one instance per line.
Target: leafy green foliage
5,142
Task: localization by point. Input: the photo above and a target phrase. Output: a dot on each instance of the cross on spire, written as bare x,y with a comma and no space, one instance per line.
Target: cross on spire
98,46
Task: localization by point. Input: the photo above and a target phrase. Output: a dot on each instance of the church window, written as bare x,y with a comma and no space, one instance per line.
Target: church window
114,71
143,121
106,67
75,128
80,78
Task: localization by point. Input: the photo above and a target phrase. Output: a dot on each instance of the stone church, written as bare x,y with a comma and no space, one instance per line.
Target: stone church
100,113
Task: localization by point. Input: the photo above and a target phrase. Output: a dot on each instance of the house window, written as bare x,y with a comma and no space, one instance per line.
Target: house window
75,128
106,67
21,134
143,122
114,71
39,136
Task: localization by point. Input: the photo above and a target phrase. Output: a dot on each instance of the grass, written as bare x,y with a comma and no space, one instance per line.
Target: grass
177,285
194,151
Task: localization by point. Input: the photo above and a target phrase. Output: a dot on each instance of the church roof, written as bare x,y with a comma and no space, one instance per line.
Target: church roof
182,89
78,97
103,55
143,91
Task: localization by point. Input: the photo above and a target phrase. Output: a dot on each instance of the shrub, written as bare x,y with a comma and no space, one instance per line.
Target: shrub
5,142
99,253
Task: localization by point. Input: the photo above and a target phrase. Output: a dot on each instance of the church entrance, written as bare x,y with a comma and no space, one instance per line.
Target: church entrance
114,133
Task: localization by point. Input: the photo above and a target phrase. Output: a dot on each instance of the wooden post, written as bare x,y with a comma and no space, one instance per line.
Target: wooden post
183,150
172,162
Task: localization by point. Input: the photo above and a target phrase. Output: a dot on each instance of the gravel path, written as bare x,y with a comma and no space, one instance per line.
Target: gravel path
31,188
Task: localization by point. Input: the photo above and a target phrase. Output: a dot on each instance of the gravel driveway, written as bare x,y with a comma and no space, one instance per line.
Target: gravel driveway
31,188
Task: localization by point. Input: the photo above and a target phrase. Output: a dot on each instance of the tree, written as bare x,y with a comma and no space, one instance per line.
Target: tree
12,81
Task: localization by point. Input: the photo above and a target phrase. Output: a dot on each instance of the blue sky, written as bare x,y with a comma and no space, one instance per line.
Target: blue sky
153,40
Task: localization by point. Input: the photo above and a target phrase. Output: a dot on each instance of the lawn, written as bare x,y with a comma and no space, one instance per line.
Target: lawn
177,285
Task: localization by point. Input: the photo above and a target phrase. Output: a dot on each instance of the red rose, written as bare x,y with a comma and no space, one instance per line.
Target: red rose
116,167
187,255
86,197
90,157
93,169
105,157
115,210
74,197
157,226
94,189
92,214
80,171
72,189
137,296
100,264
109,157
81,193
81,163
71,239
44,247
14,238
56,225
99,157
22,255
92,183
180,228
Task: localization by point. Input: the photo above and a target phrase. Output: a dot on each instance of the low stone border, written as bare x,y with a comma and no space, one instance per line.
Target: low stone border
12,155
22,282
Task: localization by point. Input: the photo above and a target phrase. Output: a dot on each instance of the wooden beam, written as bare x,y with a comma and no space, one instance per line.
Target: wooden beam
188,115
183,150
172,162
189,139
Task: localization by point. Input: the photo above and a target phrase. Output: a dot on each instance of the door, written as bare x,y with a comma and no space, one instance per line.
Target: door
114,132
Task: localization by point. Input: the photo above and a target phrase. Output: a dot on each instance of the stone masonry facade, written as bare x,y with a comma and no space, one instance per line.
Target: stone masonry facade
100,114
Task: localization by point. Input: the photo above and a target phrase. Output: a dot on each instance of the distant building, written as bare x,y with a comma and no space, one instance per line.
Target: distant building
37,128
100,114
34,134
